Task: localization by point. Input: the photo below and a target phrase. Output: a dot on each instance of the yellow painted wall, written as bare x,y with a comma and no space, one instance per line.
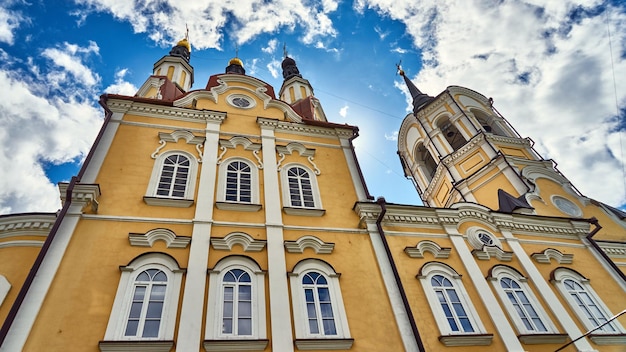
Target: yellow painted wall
15,263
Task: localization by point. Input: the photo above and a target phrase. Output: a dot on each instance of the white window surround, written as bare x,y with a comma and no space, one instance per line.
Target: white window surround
558,278
5,286
317,209
222,203
486,245
123,299
215,340
304,339
500,272
425,275
151,196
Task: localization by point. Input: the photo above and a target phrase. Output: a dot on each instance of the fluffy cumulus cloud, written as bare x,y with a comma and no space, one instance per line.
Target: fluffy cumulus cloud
9,21
207,20
549,66
121,86
343,112
38,124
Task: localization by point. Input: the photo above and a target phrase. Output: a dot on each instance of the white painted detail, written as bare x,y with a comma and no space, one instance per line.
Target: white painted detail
168,236
304,242
247,242
5,286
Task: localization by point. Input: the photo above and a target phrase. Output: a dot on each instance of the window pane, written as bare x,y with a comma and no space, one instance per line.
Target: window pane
227,326
329,327
151,328
467,326
244,309
154,310
131,328
135,310
244,326
313,328
245,292
327,310
323,294
228,309
308,293
310,307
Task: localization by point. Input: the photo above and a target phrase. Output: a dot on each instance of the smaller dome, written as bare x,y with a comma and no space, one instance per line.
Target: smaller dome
288,62
235,61
184,42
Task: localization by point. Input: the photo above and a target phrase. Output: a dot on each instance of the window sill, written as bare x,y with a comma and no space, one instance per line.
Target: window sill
608,339
304,211
467,340
238,206
168,202
324,344
536,339
235,345
132,346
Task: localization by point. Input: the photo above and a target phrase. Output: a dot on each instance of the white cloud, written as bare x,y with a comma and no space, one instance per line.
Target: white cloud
343,112
274,68
40,125
399,50
9,22
547,65
392,137
208,19
69,57
271,46
381,34
121,86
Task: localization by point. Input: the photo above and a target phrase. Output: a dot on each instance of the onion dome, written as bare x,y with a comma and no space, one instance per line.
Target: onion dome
235,65
289,68
182,49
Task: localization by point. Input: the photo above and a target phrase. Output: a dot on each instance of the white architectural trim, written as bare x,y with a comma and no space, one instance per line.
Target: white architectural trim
125,290
213,327
135,346
549,254
21,243
83,194
254,181
302,151
166,235
190,187
247,242
353,166
500,272
286,191
304,242
235,345
300,316
35,224
427,246
5,286
102,148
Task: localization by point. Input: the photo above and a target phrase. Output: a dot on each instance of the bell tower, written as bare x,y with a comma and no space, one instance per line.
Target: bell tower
456,147
176,67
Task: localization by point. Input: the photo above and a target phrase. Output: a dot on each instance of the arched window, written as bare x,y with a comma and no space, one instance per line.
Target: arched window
145,305
236,305
451,134
238,187
319,313
520,302
173,180
300,192
451,306
590,309
425,161
488,123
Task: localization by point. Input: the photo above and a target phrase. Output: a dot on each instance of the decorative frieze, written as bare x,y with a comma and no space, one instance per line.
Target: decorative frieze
168,236
246,241
428,246
304,242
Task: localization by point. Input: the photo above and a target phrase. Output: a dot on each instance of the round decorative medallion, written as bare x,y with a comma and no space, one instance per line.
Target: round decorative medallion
567,206
241,101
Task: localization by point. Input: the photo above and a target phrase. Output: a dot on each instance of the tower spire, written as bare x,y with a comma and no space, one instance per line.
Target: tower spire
419,98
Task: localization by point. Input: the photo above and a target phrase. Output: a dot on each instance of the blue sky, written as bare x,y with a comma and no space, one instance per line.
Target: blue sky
549,66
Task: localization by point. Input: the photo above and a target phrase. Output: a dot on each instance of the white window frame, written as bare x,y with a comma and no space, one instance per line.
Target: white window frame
500,272
151,194
124,296
436,268
300,315
222,203
559,275
316,209
213,324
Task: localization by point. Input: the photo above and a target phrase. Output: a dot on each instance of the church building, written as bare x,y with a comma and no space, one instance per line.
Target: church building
236,218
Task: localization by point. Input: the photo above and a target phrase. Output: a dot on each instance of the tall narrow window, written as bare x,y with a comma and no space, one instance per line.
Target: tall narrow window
318,311
237,303
318,304
451,304
425,162
590,309
451,134
300,190
522,305
144,319
238,182
174,175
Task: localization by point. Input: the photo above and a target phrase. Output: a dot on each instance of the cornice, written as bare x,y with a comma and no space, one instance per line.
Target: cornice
511,141
36,224
470,146
83,194
161,111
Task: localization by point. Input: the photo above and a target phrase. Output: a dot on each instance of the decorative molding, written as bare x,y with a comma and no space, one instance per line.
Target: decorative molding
319,246
324,344
235,345
613,249
301,149
164,111
428,246
174,136
248,243
168,236
304,211
487,252
551,253
247,144
468,147
608,339
21,243
466,340
133,346
168,202
539,339
35,224
83,194
238,206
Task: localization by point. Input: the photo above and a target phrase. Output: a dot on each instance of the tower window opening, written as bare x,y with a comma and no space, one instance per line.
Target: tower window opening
452,135
425,161
488,123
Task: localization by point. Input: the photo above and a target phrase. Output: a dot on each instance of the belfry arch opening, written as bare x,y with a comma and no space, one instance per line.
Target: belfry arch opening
425,162
452,135
487,123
